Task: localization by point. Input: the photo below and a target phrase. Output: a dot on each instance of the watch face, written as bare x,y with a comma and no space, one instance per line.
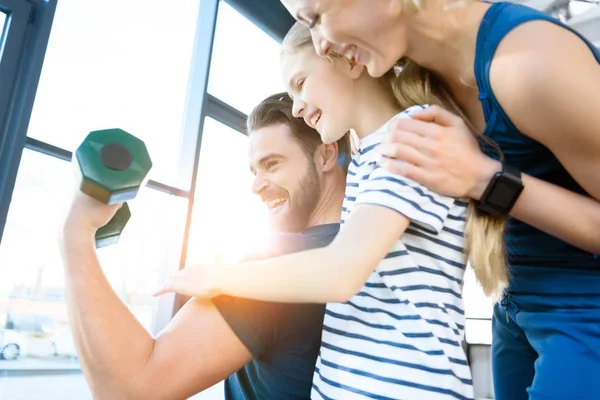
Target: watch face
503,193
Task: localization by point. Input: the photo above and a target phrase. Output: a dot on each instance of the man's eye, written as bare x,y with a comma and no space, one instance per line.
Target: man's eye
300,83
271,164
313,22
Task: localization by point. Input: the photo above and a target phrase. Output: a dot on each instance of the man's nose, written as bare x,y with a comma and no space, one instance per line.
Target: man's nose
259,184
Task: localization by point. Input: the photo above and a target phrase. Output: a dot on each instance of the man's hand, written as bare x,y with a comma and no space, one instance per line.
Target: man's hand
194,280
436,149
86,215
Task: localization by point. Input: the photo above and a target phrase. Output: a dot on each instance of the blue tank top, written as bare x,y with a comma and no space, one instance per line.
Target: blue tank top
539,262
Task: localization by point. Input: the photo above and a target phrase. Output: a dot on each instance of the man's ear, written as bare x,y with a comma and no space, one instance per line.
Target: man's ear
329,156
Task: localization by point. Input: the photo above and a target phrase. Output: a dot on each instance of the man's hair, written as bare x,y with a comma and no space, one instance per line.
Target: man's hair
277,109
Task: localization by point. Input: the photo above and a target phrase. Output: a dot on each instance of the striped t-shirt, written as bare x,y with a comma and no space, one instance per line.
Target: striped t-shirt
400,336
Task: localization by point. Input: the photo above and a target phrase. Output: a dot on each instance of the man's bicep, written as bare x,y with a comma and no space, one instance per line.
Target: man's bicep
195,351
254,322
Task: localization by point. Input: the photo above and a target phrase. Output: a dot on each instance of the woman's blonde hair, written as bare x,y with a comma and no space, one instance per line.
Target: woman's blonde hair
412,85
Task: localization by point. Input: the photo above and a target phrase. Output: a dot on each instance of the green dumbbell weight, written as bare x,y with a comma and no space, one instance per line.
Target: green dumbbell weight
111,165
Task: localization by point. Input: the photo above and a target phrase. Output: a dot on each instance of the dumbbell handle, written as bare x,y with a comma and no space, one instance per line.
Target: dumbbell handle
109,233
112,165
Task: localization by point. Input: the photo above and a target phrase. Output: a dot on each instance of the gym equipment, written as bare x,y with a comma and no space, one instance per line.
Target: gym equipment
111,165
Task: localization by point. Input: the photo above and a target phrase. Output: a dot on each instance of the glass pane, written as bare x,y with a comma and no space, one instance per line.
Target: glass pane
118,64
32,304
245,61
228,220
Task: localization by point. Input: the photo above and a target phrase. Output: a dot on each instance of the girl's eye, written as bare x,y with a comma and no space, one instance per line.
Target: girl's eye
271,164
300,83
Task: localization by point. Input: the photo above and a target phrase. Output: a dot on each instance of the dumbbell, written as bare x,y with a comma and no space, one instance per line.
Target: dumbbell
111,165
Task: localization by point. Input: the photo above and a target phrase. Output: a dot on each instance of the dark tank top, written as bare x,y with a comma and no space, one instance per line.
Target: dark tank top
538,262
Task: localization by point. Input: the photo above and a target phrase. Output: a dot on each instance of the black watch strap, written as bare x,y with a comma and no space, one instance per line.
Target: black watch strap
502,192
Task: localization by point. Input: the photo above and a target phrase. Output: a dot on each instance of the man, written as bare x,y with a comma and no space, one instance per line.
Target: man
265,350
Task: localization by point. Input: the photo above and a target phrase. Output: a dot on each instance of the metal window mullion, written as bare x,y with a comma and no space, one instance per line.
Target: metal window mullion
192,139
226,114
269,15
20,68
65,155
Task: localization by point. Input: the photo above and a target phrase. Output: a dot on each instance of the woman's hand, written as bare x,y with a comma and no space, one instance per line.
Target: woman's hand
436,149
194,280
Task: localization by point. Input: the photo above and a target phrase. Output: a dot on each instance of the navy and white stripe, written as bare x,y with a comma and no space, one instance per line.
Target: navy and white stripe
400,336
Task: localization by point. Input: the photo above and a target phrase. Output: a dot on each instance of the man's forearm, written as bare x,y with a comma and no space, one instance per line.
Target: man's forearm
111,343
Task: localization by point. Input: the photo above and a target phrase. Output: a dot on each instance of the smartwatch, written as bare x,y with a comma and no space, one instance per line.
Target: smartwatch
502,192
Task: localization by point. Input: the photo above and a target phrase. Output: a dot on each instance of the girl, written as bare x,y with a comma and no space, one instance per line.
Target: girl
395,322
505,66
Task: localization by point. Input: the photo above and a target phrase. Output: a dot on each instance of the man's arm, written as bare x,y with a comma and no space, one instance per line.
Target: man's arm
119,358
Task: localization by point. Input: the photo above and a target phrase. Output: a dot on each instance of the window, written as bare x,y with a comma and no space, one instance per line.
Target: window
31,272
245,62
122,64
228,219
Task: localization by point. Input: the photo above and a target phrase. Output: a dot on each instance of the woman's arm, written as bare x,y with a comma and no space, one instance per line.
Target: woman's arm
554,102
330,274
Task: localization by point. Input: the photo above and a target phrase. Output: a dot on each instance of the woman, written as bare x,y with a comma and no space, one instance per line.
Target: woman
504,65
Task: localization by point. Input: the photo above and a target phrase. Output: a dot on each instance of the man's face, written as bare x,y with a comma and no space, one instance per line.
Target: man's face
285,178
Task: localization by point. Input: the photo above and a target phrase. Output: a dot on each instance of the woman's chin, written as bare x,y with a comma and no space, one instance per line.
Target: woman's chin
326,137
377,68
329,136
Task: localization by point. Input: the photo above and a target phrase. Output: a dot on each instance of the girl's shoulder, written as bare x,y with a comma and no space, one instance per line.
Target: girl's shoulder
408,113
371,141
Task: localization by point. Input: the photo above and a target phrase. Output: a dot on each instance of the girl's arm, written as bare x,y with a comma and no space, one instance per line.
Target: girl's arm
329,274
383,206
554,101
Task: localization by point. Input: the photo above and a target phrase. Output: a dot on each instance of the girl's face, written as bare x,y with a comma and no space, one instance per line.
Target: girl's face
371,31
323,90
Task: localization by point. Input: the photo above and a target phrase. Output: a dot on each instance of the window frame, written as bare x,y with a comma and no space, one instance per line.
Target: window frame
26,36
29,25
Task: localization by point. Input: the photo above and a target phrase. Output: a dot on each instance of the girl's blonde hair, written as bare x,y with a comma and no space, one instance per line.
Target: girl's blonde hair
411,84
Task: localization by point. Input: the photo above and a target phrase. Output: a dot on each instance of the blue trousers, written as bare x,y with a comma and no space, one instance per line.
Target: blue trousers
546,347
